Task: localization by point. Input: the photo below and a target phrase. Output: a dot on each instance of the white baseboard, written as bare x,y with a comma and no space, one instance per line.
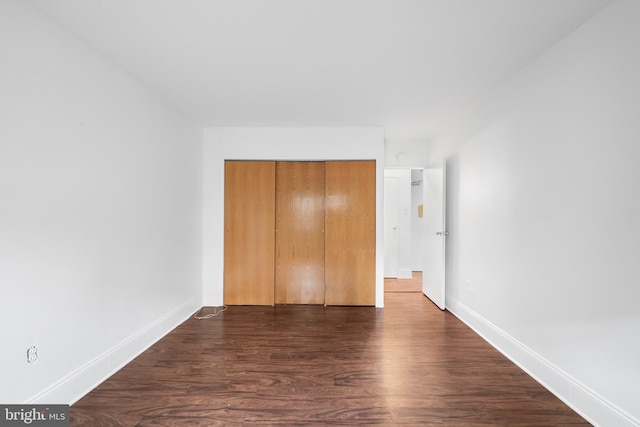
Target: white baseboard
593,407
84,379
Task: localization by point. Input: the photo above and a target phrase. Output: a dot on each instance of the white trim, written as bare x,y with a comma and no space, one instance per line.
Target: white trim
84,379
593,407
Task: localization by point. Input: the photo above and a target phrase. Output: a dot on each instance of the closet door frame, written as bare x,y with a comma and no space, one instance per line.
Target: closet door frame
349,234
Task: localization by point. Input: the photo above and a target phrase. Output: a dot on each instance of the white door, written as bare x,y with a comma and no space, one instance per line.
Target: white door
391,235
435,233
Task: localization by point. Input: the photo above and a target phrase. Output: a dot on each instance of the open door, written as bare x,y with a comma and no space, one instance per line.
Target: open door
391,220
435,237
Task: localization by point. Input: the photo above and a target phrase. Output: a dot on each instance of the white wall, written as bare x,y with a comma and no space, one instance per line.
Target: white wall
404,220
222,144
544,208
100,213
406,153
417,223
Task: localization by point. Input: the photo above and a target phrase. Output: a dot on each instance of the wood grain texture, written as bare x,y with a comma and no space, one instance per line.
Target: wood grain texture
404,285
350,242
408,364
249,237
299,270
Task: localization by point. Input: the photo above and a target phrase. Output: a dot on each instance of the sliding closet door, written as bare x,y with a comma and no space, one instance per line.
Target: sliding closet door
350,224
249,237
299,233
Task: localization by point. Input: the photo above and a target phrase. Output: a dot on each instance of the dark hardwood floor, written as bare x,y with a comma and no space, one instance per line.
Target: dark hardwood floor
407,364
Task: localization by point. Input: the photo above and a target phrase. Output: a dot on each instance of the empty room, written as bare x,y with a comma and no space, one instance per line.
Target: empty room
322,212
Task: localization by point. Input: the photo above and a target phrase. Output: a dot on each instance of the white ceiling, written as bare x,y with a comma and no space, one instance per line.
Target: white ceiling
410,66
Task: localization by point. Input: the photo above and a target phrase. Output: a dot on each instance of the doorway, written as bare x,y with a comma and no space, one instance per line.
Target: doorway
403,229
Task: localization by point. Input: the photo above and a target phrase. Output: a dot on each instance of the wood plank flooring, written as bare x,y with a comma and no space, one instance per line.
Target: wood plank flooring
404,285
407,364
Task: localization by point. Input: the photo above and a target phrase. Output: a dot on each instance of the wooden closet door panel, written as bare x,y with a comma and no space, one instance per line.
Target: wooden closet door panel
249,232
350,232
299,233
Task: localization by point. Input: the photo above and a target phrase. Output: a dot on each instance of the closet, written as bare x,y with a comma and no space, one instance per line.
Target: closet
249,238
299,254
299,232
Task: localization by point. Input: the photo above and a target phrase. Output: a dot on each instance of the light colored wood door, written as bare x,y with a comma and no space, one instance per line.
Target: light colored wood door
249,233
299,233
350,237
